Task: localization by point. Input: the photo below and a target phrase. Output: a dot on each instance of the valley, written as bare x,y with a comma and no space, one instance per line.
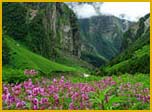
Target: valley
59,61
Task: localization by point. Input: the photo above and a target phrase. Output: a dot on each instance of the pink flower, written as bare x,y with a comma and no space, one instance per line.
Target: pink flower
26,71
31,72
35,107
113,83
57,94
29,92
56,98
84,96
35,101
128,85
4,97
71,106
44,100
35,91
10,99
61,82
17,89
75,96
42,91
20,104
54,80
28,84
146,90
29,97
81,105
62,77
5,90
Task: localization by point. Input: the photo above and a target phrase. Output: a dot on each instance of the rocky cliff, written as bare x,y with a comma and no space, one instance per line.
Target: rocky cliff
135,55
135,31
104,35
46,28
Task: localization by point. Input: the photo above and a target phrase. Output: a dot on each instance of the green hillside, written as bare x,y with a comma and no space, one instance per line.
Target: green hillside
43,29
22,58
52,59
134,59
102,38
138,63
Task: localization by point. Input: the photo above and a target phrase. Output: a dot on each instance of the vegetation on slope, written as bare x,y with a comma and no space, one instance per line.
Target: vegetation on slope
30,23
31,42
102,36
22,58
135,58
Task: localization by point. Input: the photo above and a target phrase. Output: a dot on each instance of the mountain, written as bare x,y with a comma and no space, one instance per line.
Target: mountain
102,37
47,31
48,37
135,31
135,52
45,27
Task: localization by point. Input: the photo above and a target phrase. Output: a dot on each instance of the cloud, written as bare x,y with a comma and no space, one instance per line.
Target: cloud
84,11
131,10
128,10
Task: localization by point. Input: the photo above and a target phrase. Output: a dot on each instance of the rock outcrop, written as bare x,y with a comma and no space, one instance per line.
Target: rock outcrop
48,28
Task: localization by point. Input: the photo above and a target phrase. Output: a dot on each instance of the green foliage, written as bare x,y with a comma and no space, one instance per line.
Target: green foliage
128,53
11,75
83,79
39,26
14,20
120,96
135,59
101,99
128,38
38,37
140,31
133,79
6,56
94,59
140,62
135,32
73,61
116,102
22,58
102,37
145,50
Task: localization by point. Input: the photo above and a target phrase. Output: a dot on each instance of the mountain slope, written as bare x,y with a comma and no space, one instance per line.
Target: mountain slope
23,58
136,57
104,35
135,31
49,30
45,28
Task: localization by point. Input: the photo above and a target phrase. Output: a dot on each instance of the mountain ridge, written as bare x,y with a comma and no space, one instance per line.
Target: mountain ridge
53,31
103,34
136,56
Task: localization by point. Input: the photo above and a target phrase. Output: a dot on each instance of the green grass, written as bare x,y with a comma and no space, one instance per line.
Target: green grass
116,66
13,75
73,61
143,51
138,62
137,54
136,78
83,79
22,58
122,78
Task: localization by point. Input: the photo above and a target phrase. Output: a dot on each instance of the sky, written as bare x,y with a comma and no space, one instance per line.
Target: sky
130,10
